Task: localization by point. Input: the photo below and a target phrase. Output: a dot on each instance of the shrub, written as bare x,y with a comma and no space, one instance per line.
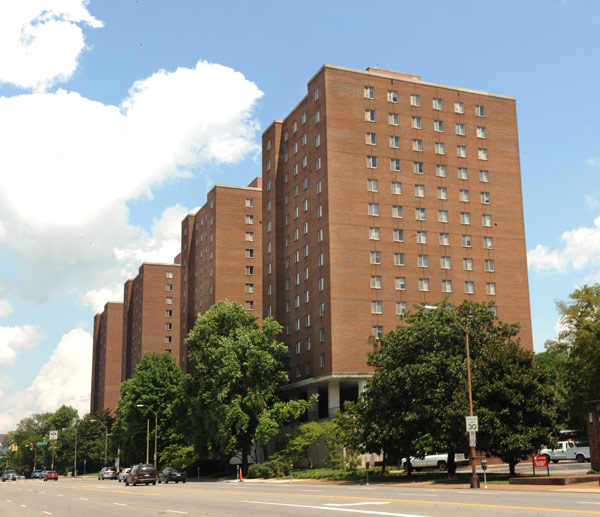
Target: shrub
272,468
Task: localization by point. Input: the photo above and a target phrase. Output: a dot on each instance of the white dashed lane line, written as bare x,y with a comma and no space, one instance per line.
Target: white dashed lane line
175,511
84,499
47,513
120,504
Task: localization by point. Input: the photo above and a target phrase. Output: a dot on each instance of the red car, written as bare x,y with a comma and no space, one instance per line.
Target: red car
51,474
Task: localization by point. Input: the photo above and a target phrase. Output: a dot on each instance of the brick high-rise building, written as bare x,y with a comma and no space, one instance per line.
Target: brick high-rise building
106,358
221,254
151,303
382,191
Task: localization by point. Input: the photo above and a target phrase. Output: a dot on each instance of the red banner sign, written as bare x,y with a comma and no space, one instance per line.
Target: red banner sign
540,461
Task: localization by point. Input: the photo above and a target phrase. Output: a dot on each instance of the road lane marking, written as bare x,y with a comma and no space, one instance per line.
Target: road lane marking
588,502
84,499
398,500
120,504
24,506
354,504
175,511
47,513
8,501
348,510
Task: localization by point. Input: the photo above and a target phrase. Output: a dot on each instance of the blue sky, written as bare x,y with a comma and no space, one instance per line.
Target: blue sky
117,117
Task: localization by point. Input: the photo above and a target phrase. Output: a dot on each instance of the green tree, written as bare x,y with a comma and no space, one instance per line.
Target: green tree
237,368
576,352
158,383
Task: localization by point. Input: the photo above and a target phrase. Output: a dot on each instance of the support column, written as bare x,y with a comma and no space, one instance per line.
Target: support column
313,412
333,393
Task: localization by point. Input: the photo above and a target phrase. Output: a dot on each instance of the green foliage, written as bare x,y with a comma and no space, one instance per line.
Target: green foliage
177,456
574,358
275,467
237,368
158,383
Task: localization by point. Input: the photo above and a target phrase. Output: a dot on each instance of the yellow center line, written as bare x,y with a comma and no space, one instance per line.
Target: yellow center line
394,500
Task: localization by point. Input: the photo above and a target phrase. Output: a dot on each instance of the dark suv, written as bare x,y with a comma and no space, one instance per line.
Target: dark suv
172,474
142,473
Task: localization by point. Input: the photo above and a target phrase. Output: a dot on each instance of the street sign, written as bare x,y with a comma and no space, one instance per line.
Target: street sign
42,443
472,423
53,435
540,461
472,439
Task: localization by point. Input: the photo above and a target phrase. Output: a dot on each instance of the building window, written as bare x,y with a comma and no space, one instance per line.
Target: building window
375,282
445,262
444,239
322,357
392,96
169,287
249,305
469,287
369,92
249,270
307,344
319,187
319,211
468,264
440,170
423,284
373,209
372,185
396,187
442,193
372,162
168,339
446,286
168,313
321,339
304,162
249,236
377,331
463,173
422,260
415,122
482,154
488,243
418,167
415,100
479,110
417,144
249,288
421,237
486,220
459,107
442,216
485,198
307,320
397,211
398,235
169,274
440,148
400,283
303,117
460,129
419,190
370,138
463,195
420,214
249,219
298,349
481,132
374,233
438,126
400,308
169,300
466,241
375,257
376,306
394,142
461,151
317,117
268,167
488,265
168,326
320,235
370,115
436,103
490,288
399,259
484,176
394,164
393,119
321,259
318,164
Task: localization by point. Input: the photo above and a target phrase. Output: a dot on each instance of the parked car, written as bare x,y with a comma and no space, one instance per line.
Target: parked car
51,474
37,474
567,450
9,474
108,473
437,460
172,474
142,473
123,474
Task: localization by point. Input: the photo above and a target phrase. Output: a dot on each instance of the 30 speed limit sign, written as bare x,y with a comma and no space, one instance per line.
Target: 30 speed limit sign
472,424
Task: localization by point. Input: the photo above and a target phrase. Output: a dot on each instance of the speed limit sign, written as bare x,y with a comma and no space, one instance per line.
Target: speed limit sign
472,424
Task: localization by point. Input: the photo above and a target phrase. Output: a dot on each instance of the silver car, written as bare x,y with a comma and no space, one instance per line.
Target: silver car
123,474
9,474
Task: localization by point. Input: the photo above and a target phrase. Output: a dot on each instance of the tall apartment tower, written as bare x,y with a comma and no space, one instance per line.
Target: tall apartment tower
106,358
382,191
221,254
151,308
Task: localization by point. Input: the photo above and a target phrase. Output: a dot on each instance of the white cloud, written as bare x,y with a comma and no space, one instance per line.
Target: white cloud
594,162
97,298
14,339
87,159
5,307
581,249
64,379
41,40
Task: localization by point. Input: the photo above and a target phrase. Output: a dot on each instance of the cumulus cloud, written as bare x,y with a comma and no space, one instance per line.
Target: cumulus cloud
15,339
41,40
5,307
64,379
594,162
581,249
87,159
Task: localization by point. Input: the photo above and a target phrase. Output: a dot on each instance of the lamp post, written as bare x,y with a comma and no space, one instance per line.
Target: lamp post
105,438
429,308
148,433
75,422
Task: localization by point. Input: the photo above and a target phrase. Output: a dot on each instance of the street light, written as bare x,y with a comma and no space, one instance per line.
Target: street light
105,438
430,308
74,423
148,432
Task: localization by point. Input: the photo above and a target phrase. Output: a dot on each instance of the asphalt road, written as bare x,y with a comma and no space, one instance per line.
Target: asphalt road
90,497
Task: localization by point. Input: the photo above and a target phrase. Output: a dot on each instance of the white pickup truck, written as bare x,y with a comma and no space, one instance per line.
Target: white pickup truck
439,460
567,451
